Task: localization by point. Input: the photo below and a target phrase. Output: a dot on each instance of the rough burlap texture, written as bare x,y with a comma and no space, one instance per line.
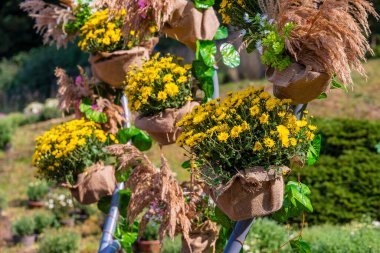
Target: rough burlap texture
188,24
162,126
93,184
251,193
112,68
202,239
299,83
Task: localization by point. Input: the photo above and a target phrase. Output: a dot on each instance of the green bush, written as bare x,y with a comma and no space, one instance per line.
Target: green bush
5,133
24,226
150,232
37,190
170,246
64,242
345,181
44,220
266,236
357,238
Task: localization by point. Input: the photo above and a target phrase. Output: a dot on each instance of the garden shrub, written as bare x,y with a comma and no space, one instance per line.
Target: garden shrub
44,220
63,242
170,246
24,226
37,190
5,133
345,181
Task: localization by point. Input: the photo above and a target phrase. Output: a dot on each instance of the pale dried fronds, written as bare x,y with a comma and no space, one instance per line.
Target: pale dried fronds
150,185
141,14
50,21
70,93
329,35
113,112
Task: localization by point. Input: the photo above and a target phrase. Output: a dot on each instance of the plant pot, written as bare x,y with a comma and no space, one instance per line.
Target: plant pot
251,193
35,204
27,241
67,222
162,126
202,239
149,246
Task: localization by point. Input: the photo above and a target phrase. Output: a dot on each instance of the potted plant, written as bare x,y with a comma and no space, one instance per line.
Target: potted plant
62,206
60,241
36,193
301,43
149,242
72,155
44,220
160,92
243,145
24,229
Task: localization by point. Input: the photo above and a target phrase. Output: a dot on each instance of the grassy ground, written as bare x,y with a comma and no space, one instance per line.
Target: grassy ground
16,172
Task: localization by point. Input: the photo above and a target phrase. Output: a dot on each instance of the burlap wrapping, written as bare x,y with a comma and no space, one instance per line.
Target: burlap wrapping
202,239
93,184
188,24
112,68
251,193
162,126
299,83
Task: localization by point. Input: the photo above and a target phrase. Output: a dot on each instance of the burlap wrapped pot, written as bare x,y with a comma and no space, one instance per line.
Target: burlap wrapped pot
188,24
298,82
112,68
251,193
162,126
202,239
96,182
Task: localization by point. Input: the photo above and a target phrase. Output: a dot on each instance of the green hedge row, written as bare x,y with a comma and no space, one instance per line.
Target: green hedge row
345,182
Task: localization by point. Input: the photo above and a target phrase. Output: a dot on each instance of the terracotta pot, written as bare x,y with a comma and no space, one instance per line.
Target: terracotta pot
35,204
149,246
27,241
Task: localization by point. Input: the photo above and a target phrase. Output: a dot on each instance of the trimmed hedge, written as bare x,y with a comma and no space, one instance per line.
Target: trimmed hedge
345,181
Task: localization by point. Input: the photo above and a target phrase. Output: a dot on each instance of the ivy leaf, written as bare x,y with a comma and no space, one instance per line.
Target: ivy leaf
322,96
91,114
207,50
314,150
221,33
301,198
231,57
203,4
300,246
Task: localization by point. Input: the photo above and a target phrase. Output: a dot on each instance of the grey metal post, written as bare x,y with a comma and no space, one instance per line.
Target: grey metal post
107,244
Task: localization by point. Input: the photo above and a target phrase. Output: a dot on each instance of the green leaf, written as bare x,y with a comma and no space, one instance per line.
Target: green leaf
186,164
221,33
207,50
322,96
203,4
207,85
93,115
302,199
300,246
201,70
104,204
335,84
122,175
142,141
124,198
231,57
126,134
314,150
298,194
302,187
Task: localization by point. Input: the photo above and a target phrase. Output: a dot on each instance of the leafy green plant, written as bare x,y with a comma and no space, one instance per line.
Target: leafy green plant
139,139
82,13
37,190
25,226
150,232
5,133
126,234
63,242
44,220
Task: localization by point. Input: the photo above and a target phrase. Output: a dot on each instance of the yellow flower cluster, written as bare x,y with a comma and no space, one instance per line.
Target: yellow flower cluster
64,145
247,128
103,34
161,83
225,9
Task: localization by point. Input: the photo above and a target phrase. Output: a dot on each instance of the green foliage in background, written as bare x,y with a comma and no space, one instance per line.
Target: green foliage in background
24,226
37,190
344,183
63,242
44,220
5,133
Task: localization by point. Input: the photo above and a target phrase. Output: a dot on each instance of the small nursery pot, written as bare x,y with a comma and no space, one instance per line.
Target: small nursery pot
149,246
162,126
26,241
297,82
202,239
251,193
35,204
93,184
112,68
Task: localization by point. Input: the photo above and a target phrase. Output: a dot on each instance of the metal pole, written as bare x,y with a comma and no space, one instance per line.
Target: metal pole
216,83
107,244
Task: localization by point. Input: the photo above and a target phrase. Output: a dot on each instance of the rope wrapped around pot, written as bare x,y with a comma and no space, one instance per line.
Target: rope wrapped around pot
96,182
162,126
251,193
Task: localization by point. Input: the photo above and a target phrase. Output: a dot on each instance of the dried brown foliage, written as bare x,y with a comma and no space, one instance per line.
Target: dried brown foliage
141,17
150,185
329,35
50,20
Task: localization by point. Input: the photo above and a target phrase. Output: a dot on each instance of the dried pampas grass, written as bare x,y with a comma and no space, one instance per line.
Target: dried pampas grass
149,185
141,14
50,20
329,35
